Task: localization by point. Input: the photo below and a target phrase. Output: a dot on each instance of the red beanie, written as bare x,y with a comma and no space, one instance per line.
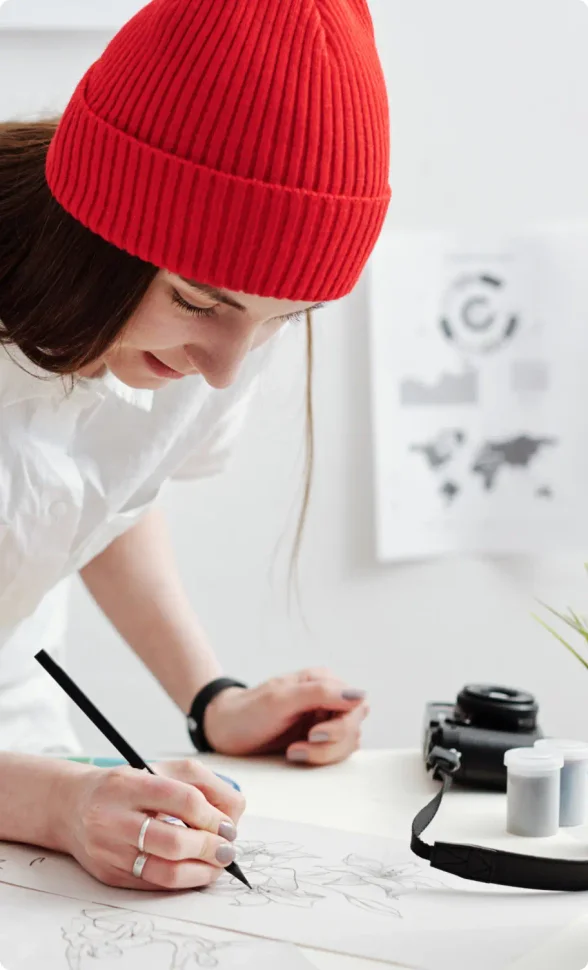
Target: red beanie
240,143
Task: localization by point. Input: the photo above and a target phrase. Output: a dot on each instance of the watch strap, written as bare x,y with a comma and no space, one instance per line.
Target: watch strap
198,710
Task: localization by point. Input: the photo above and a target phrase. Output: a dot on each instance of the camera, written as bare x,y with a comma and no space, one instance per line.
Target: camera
484,722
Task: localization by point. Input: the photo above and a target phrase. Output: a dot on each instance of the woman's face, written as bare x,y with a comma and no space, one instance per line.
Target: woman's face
183,328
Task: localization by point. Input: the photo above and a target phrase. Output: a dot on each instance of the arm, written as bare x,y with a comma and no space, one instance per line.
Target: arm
95,815
31,788
135,581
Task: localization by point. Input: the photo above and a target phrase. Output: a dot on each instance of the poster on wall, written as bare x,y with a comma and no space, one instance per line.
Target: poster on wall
479,376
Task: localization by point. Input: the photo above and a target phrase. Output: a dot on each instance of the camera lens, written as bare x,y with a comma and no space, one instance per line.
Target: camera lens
499,708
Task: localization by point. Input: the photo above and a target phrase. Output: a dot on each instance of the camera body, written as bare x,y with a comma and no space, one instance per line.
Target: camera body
484,722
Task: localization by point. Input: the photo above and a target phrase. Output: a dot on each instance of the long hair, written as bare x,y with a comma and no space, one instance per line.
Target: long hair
66,294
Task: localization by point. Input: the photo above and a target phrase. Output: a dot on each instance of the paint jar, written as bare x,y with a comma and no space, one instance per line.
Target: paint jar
532,791
573,803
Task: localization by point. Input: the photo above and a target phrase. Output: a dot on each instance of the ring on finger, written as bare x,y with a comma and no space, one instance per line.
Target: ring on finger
139,865
143,833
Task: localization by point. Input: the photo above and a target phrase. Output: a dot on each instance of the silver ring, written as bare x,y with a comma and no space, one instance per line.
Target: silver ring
143,833
139,865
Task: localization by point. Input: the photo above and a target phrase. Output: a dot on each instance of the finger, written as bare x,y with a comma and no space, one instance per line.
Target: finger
339,728
216,791
161,874
298,698
154,794
304,753
318,673
175,843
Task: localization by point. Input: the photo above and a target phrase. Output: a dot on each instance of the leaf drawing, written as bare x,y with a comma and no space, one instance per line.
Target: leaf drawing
285,874
104,934
373,906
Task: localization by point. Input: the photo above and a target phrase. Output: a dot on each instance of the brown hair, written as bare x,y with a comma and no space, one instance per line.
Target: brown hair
65,293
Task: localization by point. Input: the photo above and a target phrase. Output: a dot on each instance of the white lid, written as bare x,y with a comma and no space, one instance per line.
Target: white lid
532,761
570,750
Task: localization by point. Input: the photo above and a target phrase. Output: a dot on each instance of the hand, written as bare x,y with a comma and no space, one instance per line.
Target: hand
311,715
103,811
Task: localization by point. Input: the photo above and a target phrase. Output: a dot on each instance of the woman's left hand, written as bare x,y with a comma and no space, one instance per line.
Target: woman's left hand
312,716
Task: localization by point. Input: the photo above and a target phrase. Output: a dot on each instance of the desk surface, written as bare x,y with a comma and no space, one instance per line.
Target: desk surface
380,792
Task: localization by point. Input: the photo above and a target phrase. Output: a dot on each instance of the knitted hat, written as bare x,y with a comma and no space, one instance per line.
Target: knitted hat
240,143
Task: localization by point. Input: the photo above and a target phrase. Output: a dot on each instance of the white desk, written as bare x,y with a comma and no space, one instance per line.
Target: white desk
380,792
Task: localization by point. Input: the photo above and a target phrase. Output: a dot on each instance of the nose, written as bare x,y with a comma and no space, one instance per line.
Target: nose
219,358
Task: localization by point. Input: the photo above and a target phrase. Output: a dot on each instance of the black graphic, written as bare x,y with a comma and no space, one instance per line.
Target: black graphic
472,317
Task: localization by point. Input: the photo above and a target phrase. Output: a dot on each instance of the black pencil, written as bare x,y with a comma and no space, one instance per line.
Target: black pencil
90,710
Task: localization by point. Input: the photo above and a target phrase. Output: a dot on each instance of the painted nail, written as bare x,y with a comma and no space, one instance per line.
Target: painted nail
298,756
225,854
317,736
351,694
227,831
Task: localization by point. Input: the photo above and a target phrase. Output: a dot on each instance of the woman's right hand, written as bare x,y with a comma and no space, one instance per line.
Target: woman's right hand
103,810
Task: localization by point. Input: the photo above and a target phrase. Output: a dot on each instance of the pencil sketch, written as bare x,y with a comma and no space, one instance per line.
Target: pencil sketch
286,874
101,934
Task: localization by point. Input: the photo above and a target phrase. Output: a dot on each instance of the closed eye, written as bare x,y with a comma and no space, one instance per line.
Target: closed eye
197,311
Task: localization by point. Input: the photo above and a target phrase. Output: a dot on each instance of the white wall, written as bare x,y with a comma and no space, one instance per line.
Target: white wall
490,125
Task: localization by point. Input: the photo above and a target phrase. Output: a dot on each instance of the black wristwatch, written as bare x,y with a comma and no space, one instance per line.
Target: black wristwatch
198,710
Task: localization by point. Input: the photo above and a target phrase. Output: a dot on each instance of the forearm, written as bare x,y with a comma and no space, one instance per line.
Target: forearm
33,799
136,583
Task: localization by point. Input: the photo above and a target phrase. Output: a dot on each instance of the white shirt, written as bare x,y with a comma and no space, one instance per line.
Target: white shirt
77,468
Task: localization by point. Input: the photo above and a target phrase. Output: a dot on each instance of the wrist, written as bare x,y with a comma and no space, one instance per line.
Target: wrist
63,803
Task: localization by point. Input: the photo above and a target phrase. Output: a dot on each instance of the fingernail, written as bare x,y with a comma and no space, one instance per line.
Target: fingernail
351,694
299,755
225,854
317,736
227,831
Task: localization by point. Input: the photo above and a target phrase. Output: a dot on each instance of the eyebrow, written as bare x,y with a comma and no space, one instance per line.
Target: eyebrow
223,297
215,294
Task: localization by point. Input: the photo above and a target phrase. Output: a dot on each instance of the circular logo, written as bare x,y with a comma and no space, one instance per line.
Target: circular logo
476,313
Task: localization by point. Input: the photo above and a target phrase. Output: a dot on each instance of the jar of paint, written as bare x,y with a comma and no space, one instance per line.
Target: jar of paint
573,803
532,791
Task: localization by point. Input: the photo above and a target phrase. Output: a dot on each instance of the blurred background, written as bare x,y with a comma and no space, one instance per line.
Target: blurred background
489,129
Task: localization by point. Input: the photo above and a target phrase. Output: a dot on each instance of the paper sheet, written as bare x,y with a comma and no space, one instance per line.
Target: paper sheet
348,893
39,931
478,352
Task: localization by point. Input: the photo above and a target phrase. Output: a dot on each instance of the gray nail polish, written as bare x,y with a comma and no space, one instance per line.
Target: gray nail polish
298,756
225,854
351,694
317,736
227,831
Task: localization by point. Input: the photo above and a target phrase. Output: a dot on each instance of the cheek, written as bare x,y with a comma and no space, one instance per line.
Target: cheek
152,329
267,332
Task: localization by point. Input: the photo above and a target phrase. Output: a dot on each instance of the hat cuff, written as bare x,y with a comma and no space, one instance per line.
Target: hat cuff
240,234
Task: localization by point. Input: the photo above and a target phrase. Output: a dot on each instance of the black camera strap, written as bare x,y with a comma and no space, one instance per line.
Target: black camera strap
480,864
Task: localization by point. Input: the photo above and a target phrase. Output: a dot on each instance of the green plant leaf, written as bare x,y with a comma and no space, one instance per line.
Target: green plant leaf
570,619
557,636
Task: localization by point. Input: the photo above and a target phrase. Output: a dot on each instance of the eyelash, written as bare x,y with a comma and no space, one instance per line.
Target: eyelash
199,311
196,311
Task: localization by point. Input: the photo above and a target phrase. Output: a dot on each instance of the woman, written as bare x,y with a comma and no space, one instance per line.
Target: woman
221,168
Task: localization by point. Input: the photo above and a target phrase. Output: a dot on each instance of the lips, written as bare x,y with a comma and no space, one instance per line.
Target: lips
160,369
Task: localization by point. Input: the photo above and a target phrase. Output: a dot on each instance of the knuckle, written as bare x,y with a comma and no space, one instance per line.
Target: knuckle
187,768
118,779
163,788
172,843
